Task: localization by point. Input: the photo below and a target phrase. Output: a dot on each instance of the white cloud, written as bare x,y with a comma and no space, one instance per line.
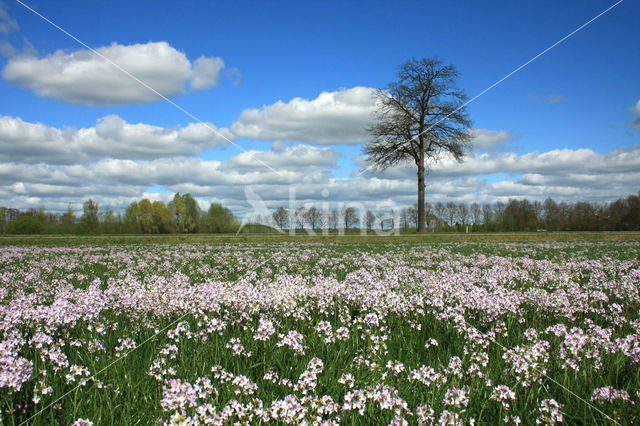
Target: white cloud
83,77
490,140
111,137
205,72
298,157
338,117
555,162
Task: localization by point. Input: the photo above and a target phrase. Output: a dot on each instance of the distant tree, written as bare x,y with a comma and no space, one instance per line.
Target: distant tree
334,219
301,217
193,213
550,211
440,211
110,222
145,217
498,212
68,219
132,219
25,224
421,117
12,214
53,219
179,211
220,219
463,214
452,211
89,219
324,219
381,217
369,220
413,214
538,208
487,216
519,215
428,214
631,217
41,215
350,217
162,217
476,212
186,213
405,218
281,217
314,217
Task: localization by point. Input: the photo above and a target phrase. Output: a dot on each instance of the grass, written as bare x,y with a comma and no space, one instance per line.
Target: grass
246,237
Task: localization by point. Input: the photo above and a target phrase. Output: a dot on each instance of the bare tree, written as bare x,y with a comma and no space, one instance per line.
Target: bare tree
452,211
381,218
420,117
498,211
487,214
369,220
301,217
281,217
413,218
476,212
463,214
334,219
405,218
550,213
350,217
428,214
440,211
325,217
537,207
314,217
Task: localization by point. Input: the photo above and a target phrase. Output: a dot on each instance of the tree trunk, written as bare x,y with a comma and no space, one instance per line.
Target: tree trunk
421,190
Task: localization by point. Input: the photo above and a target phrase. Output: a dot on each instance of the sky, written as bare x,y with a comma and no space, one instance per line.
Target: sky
248,100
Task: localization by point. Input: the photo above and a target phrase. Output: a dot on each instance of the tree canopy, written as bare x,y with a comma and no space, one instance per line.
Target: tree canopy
421,117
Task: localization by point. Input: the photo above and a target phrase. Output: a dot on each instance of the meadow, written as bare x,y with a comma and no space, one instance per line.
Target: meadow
451,330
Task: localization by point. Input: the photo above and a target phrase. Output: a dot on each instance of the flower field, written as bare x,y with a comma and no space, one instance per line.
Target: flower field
321,333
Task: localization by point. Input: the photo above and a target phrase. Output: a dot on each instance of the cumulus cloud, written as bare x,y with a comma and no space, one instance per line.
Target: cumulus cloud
205,72
111,137
298,157
84,77
635,123
490,140
547,99
117,182
339,117
559,162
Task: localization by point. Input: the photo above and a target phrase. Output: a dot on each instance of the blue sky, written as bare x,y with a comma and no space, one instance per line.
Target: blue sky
72,127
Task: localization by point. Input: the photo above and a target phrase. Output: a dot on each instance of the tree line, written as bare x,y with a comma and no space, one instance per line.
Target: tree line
183,215
522,215
515,215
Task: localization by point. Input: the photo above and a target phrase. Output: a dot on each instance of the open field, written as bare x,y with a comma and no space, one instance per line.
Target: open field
352,330
102,240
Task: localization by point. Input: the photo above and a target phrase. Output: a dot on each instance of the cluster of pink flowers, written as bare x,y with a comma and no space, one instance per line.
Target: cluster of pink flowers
609,394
